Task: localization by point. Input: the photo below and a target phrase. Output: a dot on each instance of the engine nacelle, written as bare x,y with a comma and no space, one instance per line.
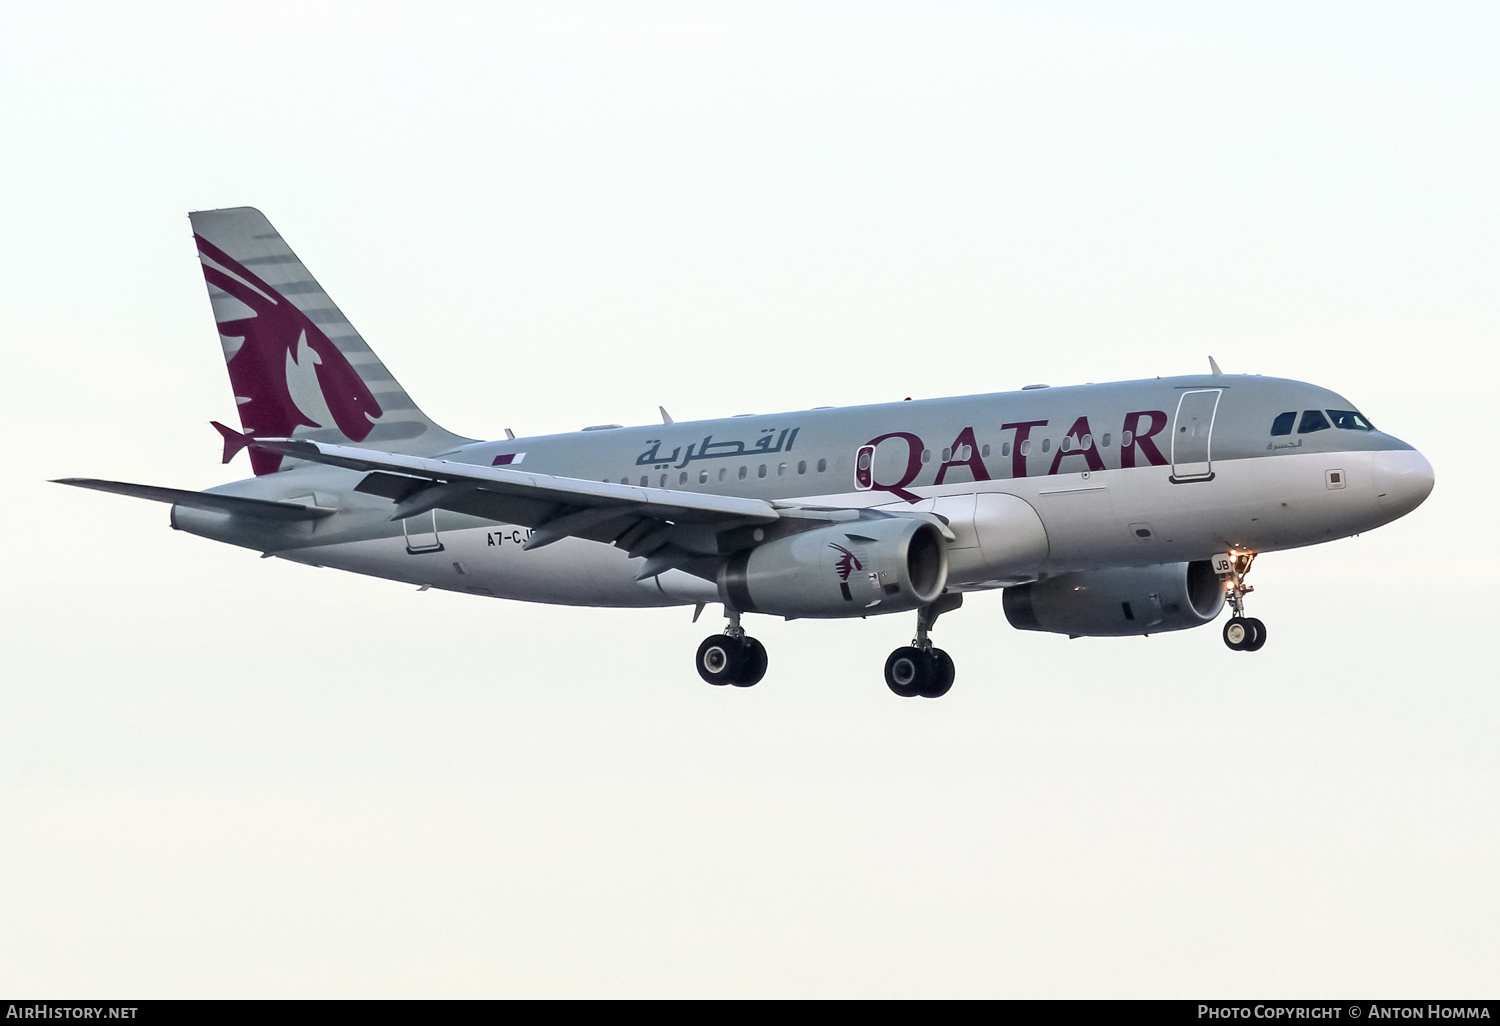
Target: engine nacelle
1115,603
853,569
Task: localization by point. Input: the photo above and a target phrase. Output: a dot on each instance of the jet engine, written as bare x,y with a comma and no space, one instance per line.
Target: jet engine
1115,603
854,569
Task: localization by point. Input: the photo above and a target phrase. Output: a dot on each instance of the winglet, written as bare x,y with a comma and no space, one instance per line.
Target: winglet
666,418
234,440
1214,366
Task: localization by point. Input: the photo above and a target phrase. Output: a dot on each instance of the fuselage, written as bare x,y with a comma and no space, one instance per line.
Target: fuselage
1102,510
1031,483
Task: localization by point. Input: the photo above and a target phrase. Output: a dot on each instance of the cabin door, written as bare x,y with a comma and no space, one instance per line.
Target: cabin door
1192,434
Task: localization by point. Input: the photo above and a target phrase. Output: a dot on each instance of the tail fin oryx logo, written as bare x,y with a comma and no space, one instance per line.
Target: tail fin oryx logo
282,357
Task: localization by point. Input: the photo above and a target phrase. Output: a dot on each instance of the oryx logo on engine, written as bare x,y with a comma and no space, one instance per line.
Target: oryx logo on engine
845,565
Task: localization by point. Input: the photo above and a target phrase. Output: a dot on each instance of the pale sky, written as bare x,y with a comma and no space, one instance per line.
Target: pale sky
227,776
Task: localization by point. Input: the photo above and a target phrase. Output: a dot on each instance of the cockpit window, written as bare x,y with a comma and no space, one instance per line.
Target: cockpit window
1313,420
1282,425
1349,420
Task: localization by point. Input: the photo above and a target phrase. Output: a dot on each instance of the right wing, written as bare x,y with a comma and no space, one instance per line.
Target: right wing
264,509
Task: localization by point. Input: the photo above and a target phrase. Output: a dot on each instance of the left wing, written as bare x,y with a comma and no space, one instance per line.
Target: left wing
673,529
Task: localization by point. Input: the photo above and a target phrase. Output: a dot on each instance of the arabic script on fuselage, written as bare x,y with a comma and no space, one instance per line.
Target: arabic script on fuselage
767,444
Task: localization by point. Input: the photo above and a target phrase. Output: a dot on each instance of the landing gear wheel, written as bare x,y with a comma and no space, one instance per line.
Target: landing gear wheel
725,660
754,667
909,671
1238,633
1259,630
942,675
720,658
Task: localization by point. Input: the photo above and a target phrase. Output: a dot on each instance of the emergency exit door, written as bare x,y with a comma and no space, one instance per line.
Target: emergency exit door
422,534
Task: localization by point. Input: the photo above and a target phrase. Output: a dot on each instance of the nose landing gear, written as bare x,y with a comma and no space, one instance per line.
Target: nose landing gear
732,657
918,669
1242,633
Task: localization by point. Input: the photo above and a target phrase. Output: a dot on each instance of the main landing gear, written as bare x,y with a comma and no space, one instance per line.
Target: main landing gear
1241,633
918,669
732,657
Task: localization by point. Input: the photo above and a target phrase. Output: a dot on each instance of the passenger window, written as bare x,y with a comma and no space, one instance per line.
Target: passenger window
984,452
1067,443
1313,420
1282,425
781,470
703,477
1005,449
682,478
822,466
801,466
723,473
625,480
1349,420
1104,442
645,480
1086,442
1126,439
664,480
744,473
1026,447
947,455
926,455
762,472
1046,445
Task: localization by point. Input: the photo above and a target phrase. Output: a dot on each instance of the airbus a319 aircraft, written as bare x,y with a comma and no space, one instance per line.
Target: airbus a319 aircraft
1119,509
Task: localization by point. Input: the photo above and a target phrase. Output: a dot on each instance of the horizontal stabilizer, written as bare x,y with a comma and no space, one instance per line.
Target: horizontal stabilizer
264,509
234,440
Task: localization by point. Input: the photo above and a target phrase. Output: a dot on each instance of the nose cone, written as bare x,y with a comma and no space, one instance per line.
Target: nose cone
1403,479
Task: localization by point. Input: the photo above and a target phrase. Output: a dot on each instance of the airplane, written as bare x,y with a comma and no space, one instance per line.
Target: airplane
1100,510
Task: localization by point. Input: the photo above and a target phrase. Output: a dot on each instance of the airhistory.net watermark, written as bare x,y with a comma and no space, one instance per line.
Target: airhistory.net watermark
46,1011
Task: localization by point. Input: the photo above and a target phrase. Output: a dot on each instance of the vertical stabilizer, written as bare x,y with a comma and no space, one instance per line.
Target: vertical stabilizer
297,366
